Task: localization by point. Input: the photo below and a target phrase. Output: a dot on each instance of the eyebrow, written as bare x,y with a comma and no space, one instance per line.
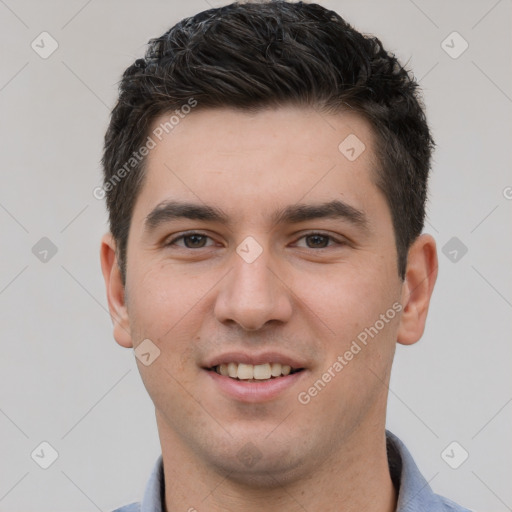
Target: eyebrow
167,211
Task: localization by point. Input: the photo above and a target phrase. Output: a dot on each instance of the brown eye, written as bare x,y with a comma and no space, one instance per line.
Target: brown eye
317,241
194,241
191,241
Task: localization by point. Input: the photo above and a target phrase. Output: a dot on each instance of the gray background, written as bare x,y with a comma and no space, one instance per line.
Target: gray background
63,378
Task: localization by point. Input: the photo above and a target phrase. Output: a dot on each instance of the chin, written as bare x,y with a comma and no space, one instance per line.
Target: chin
261,464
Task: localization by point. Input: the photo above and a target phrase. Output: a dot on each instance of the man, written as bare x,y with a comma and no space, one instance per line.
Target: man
265,173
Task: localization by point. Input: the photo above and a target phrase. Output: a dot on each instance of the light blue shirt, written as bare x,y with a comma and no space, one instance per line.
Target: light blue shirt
414,495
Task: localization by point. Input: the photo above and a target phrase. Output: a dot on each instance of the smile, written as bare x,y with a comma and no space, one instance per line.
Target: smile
250,372
255,377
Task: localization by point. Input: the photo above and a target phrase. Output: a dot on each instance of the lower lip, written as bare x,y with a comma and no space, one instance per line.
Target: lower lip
246,391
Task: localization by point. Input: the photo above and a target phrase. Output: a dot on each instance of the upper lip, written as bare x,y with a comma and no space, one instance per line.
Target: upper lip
254,359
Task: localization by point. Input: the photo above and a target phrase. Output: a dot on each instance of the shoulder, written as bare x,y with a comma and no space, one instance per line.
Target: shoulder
447,505
132,507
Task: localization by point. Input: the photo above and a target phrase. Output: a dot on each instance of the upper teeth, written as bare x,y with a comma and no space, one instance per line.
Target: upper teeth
249,371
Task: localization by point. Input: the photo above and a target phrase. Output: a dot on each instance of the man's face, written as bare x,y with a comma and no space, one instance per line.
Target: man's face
268,280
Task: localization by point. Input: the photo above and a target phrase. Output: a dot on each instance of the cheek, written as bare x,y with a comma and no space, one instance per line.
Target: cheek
162,297
358,309
348,299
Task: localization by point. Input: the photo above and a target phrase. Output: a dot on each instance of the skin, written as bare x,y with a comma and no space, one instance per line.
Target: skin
305,297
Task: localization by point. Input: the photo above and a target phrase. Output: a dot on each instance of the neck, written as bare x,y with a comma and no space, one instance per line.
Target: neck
356,477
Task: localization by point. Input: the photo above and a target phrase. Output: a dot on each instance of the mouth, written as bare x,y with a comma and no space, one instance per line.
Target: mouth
254,372
255,377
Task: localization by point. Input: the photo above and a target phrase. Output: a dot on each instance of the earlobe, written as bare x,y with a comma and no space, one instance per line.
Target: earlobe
420,278
115,291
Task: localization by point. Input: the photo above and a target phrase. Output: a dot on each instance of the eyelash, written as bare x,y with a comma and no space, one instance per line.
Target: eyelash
198,233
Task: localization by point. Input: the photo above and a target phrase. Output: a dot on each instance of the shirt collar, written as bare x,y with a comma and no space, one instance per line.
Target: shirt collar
154,494
414,492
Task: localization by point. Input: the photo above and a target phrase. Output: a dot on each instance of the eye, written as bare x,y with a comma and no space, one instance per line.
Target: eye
197,240
318,241
191,241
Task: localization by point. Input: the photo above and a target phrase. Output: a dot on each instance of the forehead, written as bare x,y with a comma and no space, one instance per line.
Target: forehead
238,159
235,130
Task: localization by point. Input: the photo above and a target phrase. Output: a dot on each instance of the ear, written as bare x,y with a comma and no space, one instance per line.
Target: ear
115,291
420,278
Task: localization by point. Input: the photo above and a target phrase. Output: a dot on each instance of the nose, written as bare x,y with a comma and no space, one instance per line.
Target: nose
253,294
